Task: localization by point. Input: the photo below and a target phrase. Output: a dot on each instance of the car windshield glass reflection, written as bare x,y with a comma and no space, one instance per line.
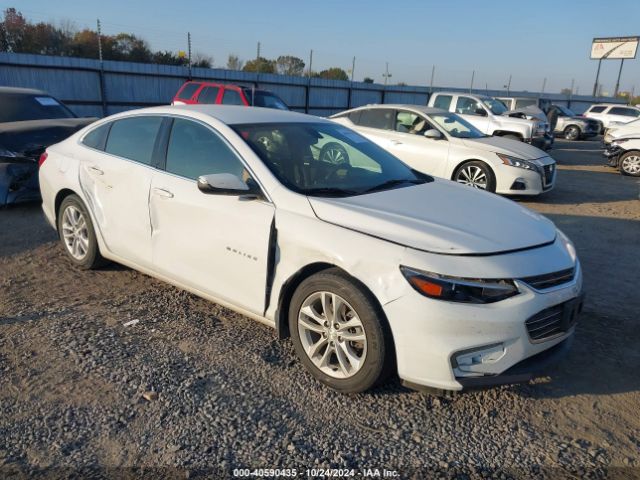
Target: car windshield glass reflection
326,160
456,126
496,106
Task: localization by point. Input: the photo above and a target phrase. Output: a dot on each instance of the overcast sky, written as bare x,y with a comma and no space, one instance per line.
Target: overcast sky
528,40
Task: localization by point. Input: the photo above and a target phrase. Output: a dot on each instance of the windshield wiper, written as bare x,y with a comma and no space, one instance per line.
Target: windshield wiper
393,183
329,191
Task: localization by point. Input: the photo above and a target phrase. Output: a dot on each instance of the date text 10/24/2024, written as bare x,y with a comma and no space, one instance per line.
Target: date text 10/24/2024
315,473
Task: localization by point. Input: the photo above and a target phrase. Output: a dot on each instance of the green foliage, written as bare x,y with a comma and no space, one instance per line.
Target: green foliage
289,65
234,62
367,80
333,73
260,65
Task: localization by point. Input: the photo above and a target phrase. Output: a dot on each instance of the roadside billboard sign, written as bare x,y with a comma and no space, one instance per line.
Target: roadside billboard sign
614,48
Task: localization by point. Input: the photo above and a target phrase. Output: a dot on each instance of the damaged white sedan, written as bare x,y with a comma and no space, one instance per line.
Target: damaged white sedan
371,267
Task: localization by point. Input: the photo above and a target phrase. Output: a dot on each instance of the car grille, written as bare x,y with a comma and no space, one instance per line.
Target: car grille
548,280
553,321
548,174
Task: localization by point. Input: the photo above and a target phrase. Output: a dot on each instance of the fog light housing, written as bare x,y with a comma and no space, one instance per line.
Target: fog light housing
518,184
477,361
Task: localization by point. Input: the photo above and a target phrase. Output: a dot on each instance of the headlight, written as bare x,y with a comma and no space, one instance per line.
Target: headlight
517,162
455,289
568,245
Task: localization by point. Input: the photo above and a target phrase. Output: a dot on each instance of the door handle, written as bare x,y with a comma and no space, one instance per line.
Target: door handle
96,170
161,192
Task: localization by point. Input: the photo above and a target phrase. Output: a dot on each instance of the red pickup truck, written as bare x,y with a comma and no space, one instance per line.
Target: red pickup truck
216,93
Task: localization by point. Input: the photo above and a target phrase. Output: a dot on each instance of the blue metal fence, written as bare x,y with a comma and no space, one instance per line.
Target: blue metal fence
90,88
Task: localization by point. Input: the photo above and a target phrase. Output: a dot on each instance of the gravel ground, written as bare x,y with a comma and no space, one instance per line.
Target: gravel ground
226,394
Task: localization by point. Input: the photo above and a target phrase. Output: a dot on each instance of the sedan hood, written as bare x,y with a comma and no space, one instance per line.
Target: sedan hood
440,217
506,146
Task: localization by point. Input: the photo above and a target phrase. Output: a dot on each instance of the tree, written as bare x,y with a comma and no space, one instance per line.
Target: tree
367,80
260,65
289,65
334,73
129,47
201,60
566,91
169,58
12,30
234,62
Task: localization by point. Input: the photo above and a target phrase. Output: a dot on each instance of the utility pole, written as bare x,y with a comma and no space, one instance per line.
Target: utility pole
310,62
632,93
353,68
615,94
101,75
433,72
473,74
544,84
573,80
189,52
258,52
386,74
509,86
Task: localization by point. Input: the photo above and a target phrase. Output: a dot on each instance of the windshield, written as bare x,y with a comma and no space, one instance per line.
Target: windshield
21,108
496,106
323,159
456,126
260,98
565,111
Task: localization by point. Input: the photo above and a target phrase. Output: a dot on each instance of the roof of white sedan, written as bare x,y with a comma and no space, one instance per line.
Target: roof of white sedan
420,108
234,114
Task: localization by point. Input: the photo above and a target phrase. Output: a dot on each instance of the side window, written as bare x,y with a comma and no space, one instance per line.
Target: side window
377,118
467,106
410,122
627,112
134,138
355,116
188,90
596,109
443,101
196,150
525,102
231,97
97,137
208,95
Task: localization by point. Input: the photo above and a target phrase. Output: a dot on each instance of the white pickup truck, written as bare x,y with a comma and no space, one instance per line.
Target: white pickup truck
485,113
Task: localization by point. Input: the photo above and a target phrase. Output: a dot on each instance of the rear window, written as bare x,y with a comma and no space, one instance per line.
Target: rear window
134,138
596,109
265,99
188,90
208,95
97,137
627,112
526,102
443,101
22,108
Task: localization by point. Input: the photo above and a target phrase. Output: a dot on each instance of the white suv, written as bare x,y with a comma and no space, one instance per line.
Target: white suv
486,114
608,113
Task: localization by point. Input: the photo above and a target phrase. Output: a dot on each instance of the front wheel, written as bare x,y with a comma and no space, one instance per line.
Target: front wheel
77,234
338,333
572,133
630,164
476,174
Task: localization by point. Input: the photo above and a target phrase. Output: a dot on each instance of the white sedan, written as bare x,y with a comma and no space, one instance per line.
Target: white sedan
371,267
444,144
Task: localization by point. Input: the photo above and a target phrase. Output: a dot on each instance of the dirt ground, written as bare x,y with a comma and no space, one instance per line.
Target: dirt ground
230,395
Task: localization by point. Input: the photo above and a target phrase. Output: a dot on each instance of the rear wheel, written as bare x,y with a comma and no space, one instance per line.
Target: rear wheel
630,164
334,153
572,133
77,234
476,174
338,333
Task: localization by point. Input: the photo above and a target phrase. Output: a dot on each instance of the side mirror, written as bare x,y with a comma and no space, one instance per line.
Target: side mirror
433,133
481,111
227,184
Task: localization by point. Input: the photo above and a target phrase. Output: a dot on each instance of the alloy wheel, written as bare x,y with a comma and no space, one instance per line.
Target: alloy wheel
335,156
75,232
631,165
472,176
332,334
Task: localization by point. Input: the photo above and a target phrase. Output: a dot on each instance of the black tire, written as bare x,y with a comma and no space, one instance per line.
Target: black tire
513,136
334,153
379,359
92,257
572,132
627,167
458,175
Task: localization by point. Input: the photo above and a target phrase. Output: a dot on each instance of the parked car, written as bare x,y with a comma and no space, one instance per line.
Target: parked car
618,130
30,121
192,93
371,268
570,125
624,153
612,112
443,144
486,114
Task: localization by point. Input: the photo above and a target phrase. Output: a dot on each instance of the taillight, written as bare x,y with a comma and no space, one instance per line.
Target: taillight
43,157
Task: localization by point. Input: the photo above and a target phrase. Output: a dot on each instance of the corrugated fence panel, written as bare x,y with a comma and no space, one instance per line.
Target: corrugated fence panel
365,97
63,84
122,88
